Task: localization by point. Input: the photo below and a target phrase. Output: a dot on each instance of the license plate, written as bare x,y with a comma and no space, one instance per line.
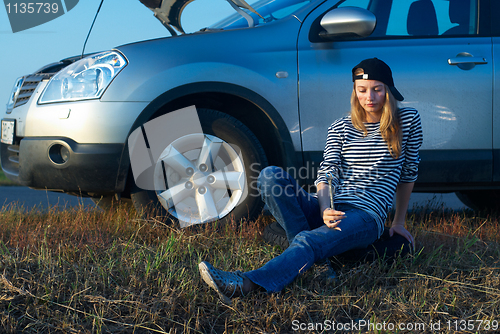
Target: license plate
8,131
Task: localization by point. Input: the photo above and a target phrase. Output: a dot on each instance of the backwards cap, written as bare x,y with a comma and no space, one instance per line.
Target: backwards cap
376,69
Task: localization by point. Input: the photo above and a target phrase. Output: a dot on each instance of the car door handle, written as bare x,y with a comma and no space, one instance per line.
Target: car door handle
467,60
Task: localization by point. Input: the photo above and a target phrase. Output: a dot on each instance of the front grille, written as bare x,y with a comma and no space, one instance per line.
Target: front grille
29,85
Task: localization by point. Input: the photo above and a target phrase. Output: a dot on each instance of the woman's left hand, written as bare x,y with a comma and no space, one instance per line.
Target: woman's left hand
401,230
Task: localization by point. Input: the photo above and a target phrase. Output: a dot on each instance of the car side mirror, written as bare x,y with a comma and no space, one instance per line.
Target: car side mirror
347,23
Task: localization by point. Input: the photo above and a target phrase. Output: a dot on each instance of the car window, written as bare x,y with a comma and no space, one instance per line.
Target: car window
271,10
421,17
356,3
436,17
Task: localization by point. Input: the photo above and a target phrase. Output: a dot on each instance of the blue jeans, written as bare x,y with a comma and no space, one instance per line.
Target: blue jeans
310,239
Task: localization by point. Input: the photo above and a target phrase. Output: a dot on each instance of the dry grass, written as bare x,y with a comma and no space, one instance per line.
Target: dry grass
89,271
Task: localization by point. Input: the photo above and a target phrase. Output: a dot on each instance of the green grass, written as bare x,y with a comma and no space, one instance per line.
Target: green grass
92,271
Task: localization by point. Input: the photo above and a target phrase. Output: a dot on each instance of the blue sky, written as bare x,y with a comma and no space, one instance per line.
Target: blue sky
119,22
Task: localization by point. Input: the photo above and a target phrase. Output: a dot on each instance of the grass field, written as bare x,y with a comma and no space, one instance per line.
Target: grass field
92,271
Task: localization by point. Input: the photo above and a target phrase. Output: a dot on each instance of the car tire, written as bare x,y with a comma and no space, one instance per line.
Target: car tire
239,152
275,235
480,199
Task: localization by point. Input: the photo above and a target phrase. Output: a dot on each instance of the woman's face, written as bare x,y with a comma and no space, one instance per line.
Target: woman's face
371,96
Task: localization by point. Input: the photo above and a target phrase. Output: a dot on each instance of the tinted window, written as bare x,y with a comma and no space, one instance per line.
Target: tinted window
431,18
356,3
421,17
270,10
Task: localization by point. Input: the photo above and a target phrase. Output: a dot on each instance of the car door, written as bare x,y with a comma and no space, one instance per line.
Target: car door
442,67
496,101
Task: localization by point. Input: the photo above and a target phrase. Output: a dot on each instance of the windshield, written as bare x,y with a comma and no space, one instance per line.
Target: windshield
271,10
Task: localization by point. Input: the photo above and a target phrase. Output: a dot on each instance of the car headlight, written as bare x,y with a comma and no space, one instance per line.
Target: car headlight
85,79
15,93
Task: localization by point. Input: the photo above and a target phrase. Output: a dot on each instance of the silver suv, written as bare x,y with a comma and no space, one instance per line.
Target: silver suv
266,83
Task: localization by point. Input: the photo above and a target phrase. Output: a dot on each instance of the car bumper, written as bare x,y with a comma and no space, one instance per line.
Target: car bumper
61,164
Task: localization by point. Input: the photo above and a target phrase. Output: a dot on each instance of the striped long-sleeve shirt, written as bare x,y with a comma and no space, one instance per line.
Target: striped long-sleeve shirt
366,175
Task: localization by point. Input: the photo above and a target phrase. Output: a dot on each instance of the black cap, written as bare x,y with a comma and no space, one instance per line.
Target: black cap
376,69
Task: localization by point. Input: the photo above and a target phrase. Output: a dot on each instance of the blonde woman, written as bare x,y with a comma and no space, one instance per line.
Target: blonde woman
371,156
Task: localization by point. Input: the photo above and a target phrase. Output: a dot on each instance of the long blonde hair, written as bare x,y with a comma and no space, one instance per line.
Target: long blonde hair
390,127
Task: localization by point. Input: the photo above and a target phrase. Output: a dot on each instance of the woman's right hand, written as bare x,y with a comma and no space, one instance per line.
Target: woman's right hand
332,218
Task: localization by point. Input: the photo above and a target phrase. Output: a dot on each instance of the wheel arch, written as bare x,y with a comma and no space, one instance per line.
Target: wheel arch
248,107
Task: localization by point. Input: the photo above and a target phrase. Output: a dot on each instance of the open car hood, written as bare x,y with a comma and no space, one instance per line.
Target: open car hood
169,11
